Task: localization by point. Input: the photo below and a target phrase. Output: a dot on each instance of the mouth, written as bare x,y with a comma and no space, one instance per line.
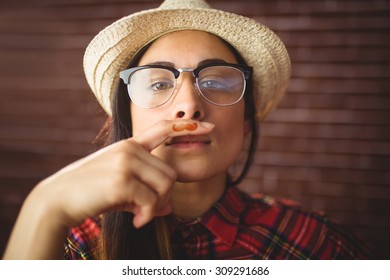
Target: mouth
188,141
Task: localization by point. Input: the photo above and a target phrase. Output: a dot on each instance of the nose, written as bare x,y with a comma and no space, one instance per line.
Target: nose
187,101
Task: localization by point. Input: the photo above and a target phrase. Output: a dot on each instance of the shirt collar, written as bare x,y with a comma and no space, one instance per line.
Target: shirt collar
223,218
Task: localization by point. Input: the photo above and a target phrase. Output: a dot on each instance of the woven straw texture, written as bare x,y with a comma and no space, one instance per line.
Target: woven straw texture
112,49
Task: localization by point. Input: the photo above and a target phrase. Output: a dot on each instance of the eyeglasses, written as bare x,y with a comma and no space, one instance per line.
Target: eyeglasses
222,84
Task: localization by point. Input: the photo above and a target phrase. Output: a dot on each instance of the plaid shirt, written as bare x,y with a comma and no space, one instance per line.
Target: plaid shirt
242,226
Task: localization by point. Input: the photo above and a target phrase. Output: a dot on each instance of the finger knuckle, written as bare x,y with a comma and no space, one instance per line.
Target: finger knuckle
165,184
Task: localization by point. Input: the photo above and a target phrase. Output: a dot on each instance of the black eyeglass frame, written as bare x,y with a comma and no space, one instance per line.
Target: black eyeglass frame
246,70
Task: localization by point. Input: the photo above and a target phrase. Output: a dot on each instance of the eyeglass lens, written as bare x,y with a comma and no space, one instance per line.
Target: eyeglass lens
220,85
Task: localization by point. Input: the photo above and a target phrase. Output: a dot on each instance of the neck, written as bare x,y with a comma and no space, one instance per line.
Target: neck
192,200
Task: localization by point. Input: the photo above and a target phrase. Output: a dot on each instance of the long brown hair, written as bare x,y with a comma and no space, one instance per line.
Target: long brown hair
119,239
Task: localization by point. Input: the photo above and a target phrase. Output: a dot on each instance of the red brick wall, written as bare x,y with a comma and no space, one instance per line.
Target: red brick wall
326,146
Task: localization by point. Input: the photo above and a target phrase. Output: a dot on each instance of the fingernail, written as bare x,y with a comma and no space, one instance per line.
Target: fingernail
207,125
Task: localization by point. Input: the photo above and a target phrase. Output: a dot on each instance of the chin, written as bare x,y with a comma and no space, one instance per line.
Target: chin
187,173
186,177
194,175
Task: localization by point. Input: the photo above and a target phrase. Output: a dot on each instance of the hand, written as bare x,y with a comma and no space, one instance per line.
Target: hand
123,176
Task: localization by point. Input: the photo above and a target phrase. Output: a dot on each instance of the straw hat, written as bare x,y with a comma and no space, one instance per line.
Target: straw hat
114,47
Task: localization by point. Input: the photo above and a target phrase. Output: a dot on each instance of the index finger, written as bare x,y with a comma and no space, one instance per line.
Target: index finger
161,131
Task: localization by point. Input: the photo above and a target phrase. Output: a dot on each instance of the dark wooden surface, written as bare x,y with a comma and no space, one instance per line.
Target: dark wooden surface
326,146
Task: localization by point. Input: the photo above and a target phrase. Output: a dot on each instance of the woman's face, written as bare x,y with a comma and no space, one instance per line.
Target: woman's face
215,152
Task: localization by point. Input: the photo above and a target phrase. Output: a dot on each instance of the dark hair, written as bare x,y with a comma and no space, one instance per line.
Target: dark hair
119,239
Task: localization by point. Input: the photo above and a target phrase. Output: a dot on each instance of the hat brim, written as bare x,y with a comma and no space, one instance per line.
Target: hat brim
115,46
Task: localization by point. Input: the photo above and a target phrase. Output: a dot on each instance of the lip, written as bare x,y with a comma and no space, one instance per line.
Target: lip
188,141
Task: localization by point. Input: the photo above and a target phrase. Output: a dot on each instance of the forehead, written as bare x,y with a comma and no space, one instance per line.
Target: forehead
186,48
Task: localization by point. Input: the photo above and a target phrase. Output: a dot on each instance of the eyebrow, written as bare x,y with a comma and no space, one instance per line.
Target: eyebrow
209,61
201,63
161,63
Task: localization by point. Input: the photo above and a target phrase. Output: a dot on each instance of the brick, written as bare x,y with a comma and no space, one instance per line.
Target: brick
322,146
325,147
336,101
339,86
340,54
324,131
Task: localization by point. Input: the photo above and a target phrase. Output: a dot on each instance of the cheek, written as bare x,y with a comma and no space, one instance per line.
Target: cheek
231,131
233,123
232,138
142,119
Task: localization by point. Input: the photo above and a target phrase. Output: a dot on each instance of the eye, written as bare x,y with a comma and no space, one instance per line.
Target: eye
159,86
213,83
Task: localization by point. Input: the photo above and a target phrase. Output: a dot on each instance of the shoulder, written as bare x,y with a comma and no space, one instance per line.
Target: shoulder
81,241
284,229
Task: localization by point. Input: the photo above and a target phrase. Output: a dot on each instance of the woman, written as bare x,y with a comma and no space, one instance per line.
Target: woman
178,121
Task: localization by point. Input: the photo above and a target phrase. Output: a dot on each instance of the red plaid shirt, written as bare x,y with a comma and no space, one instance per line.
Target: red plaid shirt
241,226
